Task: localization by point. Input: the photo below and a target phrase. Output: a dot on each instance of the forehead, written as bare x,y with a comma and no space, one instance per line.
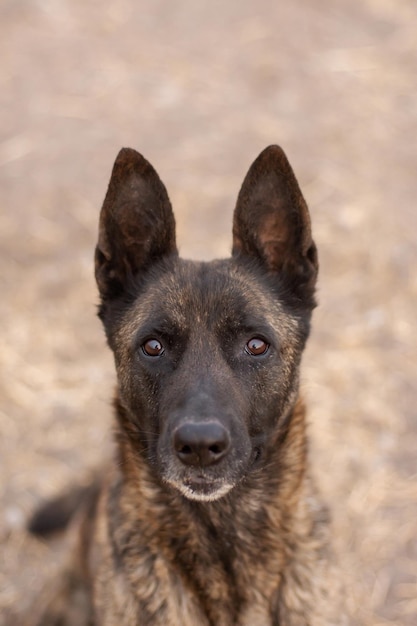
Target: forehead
216,295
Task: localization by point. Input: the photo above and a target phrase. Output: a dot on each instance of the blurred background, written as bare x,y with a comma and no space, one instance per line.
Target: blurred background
200,88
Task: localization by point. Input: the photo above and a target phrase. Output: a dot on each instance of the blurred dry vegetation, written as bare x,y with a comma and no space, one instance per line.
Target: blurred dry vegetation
200,88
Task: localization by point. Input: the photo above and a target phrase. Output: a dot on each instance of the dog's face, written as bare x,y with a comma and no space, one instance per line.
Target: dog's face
207,354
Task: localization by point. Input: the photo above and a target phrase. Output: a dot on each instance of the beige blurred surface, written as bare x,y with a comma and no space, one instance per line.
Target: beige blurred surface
200,88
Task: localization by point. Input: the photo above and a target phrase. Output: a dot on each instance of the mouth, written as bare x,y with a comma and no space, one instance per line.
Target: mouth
201,485
202,489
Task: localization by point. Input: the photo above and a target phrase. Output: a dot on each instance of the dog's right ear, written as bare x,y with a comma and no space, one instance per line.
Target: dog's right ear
137,225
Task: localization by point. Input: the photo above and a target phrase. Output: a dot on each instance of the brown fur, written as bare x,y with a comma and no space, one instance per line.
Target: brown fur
241,540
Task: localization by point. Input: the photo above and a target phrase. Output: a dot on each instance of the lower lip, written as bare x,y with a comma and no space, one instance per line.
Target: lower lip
201,485
205,492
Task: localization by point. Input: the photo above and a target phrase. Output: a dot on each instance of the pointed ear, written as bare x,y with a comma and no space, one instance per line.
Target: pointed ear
272,223
137,226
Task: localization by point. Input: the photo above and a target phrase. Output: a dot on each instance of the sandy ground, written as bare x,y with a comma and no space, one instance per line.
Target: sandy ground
200,88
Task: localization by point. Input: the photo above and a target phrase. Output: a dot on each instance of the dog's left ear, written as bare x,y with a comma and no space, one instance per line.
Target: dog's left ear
272,223
137,226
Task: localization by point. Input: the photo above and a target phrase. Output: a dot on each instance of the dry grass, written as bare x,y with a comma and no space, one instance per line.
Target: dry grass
200,89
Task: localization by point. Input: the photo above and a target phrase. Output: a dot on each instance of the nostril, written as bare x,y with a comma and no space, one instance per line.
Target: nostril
201,443
257,454
185,450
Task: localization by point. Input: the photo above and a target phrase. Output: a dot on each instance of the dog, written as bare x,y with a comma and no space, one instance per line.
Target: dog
208,515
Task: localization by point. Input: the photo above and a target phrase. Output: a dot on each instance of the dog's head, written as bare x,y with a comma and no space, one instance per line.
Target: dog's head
207,354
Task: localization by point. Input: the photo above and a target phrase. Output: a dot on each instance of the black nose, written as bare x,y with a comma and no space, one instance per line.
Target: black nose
201,443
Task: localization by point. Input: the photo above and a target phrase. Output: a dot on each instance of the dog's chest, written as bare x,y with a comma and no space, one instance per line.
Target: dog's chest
187,610
245,597
155,593
257,615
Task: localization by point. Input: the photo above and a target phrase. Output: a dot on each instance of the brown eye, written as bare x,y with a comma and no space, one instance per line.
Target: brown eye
153,347
256,346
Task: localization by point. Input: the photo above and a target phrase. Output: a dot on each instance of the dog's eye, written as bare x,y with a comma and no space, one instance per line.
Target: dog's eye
256,346
153,347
